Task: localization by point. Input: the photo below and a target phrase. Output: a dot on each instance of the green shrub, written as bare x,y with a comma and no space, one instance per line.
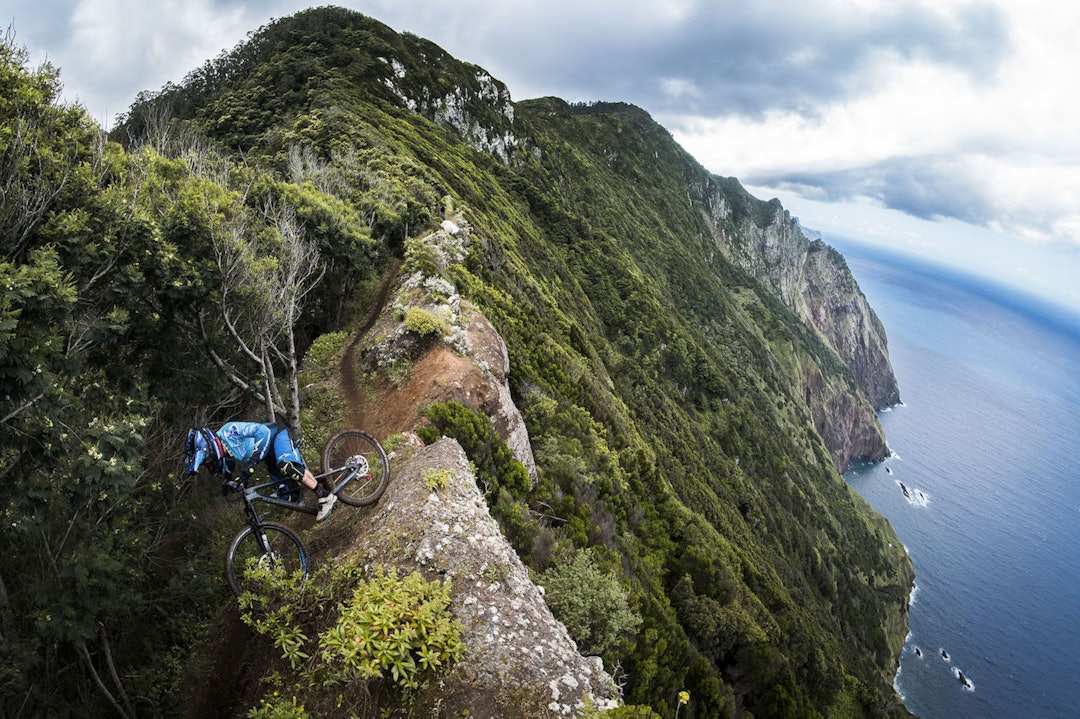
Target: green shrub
437,479
319,360
398,447
277,708
590,602
496,466
396,626
272,607
501,476
421,256
424,323
383,627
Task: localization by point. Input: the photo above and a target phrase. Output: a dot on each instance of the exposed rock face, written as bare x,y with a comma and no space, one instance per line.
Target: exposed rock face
850,429
814,280
469,363
474,104
519,661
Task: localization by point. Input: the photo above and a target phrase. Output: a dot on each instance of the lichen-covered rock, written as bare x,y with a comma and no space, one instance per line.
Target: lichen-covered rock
467,363
519,660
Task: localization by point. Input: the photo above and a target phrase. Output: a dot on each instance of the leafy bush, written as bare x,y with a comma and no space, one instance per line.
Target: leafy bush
424,323
496,466
396,626
386,627
421,256
503,479
277,708
270,606
437,479
319,357
590,602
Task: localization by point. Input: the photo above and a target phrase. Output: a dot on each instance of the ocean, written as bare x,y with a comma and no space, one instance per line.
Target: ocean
982,488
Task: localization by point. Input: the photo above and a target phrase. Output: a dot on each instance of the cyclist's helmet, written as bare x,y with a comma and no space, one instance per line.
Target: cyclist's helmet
203,447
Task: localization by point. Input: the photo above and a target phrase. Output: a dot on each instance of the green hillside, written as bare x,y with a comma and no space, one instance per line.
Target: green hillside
661,385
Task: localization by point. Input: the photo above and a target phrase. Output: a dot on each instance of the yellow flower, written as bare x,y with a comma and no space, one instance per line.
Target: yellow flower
684,697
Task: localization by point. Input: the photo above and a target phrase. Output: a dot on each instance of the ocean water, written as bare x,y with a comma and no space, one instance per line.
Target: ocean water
983,489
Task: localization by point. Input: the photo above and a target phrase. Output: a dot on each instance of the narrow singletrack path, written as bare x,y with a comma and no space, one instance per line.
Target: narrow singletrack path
349,389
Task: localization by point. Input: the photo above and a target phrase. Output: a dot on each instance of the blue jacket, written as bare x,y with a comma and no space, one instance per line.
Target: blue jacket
250,442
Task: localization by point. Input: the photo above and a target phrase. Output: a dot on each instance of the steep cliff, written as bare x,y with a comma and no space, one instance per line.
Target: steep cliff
430,345
813,280
519,660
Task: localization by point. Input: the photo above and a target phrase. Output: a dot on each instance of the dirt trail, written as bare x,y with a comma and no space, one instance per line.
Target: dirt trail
349,389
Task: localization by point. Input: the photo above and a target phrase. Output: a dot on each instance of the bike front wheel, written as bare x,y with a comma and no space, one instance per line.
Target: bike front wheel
352,449
273,547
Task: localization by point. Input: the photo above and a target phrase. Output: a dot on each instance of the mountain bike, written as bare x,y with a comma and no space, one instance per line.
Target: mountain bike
354,467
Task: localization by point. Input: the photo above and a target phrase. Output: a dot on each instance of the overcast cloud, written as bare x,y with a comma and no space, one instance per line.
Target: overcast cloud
944,110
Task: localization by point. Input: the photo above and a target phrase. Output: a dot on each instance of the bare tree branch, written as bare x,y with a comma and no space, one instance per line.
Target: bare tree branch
84,654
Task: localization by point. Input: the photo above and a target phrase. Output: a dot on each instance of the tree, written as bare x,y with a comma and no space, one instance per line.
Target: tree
590,602
85,282
267,269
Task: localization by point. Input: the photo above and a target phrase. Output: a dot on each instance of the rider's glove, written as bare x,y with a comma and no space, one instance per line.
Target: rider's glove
245,473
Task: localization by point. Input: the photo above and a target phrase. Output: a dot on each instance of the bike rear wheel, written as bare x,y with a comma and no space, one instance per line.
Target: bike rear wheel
283,551
353,448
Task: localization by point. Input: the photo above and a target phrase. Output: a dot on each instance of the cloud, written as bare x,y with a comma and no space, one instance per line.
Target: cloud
745,58
170,38
110,50
694,56
939,108
930,188
990,143
1002,193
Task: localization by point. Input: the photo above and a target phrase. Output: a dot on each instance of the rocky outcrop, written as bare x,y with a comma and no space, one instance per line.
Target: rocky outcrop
832,301
519,660
461,359
429,345
842,419
460,96
814,280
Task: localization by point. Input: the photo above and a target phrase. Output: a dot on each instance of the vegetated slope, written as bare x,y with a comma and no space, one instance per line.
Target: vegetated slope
664,388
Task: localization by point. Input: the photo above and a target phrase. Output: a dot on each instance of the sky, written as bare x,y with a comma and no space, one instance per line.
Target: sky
945,129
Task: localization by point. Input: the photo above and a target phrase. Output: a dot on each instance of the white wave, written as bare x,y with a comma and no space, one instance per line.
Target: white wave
915,496
914,593
966,682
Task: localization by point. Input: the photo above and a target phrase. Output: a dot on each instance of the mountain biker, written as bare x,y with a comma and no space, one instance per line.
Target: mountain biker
235,449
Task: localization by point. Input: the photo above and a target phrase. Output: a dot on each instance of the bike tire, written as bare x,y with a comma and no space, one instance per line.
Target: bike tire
284,543
367,487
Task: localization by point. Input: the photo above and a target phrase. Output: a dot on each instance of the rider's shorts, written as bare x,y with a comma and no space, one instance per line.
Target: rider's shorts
290,470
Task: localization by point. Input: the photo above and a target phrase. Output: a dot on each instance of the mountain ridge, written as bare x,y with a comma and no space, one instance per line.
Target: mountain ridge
583,212
686,423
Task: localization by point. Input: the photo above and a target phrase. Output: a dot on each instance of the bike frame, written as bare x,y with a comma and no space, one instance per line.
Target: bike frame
253,494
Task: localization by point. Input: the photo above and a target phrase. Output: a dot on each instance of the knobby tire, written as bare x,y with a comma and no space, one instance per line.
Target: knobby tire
369,486
290,551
